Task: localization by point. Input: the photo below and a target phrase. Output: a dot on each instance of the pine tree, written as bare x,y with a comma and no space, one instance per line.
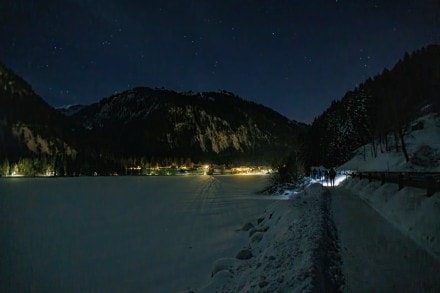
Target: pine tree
5,168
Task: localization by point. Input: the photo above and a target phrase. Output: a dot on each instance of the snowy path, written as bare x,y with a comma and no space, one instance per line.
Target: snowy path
376,256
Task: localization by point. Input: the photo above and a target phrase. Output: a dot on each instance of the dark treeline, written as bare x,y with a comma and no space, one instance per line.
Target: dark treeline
66,165
380,106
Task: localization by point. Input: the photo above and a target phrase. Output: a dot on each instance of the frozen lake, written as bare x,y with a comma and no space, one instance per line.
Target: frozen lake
121,233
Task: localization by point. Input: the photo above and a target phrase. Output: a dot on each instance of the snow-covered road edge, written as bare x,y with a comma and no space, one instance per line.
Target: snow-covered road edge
292,247
409,210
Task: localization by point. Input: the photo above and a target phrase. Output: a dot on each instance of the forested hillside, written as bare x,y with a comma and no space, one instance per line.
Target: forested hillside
37,139
379,106
217,127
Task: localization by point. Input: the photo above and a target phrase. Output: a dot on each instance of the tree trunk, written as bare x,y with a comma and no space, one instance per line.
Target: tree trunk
381,144
387,147
402,141
373,149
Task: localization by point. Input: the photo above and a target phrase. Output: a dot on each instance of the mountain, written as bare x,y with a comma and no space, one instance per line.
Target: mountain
28,124
378,111
69,110
138,127
158,125
36,138
212,126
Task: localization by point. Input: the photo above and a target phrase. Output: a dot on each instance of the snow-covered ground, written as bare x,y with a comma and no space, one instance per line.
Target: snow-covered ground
409,210
376,256
390,239
121,234
423,146
214,235
291,248
401,265
325,239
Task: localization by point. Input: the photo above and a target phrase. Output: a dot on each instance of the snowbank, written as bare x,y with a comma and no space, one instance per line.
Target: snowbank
409,210
423,146
292,247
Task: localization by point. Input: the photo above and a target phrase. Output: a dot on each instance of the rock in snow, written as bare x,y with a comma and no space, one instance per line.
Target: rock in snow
244,254
247,227
221,264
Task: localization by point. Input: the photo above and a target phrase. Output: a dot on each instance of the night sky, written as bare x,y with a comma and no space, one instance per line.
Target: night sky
293,56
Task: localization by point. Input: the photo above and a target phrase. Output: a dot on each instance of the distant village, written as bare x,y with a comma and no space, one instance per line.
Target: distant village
31,168
198,170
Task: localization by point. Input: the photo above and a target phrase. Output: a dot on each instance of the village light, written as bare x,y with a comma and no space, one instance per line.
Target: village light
15,174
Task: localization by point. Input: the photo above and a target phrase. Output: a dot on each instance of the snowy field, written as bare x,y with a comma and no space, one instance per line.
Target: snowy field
145,234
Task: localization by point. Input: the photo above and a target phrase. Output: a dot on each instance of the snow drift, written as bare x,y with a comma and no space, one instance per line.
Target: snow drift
408,209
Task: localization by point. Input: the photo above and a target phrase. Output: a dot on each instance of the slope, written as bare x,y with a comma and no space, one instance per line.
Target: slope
385,104
216,126
28,123
422,137
34,137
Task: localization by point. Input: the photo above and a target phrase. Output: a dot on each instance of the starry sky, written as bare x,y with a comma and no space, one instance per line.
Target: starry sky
293,56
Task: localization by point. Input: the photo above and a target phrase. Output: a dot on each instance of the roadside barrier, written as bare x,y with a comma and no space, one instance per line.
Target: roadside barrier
426,180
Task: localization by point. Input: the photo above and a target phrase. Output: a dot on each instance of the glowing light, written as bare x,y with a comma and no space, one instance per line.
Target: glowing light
49,173
135,168
251,170
338,180
15,174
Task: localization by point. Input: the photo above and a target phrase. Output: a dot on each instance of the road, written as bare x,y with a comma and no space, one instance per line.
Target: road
376,256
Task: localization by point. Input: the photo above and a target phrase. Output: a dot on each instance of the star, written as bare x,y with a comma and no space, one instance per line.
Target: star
262,38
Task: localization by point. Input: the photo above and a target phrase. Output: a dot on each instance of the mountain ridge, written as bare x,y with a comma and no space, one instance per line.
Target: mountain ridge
153,125
139,125
28,119
215,122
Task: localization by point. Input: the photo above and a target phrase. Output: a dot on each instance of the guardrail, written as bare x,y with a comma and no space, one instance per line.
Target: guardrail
426,180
